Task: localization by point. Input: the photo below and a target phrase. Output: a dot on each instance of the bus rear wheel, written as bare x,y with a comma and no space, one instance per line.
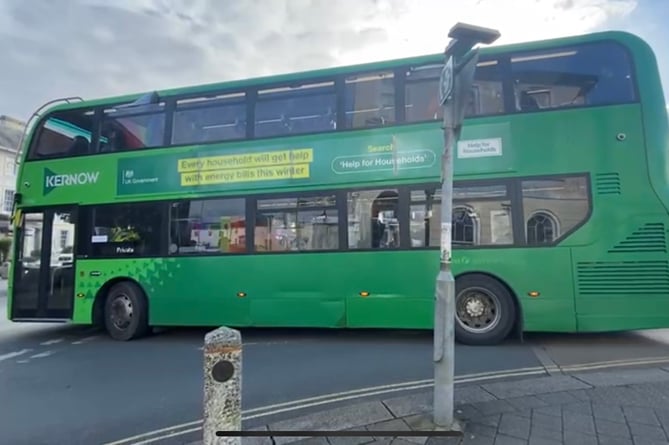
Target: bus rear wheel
126,312
484,310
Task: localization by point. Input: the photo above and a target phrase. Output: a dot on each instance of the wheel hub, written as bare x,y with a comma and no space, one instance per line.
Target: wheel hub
477,310
122,311
475,307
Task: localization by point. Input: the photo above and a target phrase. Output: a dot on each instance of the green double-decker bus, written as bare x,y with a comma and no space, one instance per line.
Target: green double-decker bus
313,199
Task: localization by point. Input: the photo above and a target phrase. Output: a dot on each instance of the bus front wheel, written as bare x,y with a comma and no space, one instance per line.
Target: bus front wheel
126,312
484,310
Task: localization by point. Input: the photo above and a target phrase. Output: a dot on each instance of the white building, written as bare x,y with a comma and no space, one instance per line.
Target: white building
7,179
10,135
62,238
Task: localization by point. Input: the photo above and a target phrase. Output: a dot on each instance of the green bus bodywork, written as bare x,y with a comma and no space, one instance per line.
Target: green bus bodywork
606,270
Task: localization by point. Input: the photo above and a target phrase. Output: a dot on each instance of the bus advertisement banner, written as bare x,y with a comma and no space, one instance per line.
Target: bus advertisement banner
400,156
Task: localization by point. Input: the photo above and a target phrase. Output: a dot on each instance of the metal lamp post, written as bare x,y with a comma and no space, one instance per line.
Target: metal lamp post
455,83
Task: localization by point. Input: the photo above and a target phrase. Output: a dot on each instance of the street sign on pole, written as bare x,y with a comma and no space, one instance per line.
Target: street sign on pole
454,86
446,81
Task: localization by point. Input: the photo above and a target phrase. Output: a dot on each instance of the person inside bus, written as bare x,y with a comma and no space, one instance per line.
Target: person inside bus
79,146
114,139
527,102
378,230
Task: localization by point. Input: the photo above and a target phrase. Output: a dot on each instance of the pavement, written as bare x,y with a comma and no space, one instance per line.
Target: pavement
615,407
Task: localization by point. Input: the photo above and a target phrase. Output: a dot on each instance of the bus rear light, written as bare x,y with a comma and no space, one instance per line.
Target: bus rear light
80,295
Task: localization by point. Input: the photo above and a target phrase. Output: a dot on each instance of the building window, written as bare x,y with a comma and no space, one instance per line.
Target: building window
373,219
542,228
127,230
208,226
64,133
8,201
370,100
481,216
209,119
465,226
553,207
583,75
37,241
309,108
10,168
304,223
63,239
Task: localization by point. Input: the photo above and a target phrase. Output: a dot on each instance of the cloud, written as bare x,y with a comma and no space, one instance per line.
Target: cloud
94,48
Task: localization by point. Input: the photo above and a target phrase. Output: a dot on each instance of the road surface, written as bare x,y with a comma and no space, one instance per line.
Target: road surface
64,384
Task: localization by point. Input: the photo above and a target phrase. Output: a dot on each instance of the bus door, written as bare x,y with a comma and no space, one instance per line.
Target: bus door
43,266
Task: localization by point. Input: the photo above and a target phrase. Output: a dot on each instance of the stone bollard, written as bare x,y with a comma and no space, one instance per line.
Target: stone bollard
222,385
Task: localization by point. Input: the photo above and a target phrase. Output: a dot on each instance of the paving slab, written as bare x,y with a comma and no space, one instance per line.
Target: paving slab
402,406
626,377
347,417
534,386
605,407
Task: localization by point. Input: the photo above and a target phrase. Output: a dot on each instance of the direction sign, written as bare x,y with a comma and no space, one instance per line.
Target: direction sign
446,81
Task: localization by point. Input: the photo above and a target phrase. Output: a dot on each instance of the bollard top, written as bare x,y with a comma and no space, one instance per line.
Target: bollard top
223,337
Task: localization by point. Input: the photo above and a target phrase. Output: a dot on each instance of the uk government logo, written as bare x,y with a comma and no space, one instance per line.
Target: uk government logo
128,177
53,180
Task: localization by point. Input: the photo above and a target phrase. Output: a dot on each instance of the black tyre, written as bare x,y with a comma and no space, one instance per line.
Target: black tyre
484,310
126,312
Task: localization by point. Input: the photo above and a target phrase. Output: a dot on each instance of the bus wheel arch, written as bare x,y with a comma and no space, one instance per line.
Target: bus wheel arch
508,316
122,298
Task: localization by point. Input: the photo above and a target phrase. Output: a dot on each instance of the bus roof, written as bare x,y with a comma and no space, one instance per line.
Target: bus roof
620,36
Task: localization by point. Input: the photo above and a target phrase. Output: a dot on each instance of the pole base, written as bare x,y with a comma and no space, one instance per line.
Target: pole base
425,422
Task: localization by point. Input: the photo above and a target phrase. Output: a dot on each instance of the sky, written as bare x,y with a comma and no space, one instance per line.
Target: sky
97,48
